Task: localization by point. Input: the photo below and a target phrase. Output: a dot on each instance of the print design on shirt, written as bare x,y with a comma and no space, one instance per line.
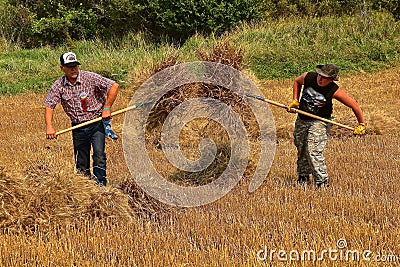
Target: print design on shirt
313,99
84,101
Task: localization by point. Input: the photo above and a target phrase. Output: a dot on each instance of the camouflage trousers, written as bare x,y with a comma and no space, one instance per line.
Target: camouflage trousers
310,137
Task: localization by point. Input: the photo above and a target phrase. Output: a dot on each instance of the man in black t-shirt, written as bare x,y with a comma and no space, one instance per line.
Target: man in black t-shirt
311,135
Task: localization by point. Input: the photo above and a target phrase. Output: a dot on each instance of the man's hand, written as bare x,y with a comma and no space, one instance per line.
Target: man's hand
360,129
51,132
106,114
294,104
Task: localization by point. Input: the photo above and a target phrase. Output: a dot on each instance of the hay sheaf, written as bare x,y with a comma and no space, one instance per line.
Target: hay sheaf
198,129
29,201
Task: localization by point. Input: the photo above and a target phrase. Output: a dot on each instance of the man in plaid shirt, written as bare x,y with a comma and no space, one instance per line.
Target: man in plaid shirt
84,96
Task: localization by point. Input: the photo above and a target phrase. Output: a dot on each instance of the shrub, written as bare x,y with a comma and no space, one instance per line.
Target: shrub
14,21
181,19
66,25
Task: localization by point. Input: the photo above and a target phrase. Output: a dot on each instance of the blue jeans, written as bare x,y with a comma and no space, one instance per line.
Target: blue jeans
83,139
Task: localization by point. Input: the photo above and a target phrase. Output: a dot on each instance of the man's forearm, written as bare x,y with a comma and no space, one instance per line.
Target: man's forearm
111,95
48,116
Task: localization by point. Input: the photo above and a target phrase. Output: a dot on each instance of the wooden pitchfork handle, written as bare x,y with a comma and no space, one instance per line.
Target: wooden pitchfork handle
100,118
301,112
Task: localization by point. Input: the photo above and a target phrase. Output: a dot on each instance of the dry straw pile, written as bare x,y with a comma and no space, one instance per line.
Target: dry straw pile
198,129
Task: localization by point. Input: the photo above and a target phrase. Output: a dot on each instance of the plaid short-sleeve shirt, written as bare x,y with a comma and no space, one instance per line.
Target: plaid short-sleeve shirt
91,86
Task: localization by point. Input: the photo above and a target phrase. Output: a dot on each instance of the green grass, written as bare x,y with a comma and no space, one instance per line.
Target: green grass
288,47
272,50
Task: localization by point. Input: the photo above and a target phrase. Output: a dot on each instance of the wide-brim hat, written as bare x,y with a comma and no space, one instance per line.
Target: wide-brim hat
69,59
328,70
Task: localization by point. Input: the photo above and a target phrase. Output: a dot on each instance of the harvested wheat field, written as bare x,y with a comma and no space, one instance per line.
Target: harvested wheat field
51,216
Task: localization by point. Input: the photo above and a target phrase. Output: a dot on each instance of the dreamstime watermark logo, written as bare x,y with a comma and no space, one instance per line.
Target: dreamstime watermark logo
151,91
340,253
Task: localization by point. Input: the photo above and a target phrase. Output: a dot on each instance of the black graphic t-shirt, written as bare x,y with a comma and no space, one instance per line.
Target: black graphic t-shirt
316,99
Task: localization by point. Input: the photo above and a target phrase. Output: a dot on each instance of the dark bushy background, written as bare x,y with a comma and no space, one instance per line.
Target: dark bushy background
52,22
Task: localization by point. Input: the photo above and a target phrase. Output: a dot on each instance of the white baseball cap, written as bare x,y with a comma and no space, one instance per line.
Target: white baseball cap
69,59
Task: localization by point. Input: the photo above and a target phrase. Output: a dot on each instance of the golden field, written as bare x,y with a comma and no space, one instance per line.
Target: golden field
53,217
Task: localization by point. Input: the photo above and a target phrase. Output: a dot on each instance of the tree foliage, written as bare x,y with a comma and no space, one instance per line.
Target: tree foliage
181,19
38,22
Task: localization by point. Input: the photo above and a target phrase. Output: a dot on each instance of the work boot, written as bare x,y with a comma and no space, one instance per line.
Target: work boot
102,182
303,179
323,185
